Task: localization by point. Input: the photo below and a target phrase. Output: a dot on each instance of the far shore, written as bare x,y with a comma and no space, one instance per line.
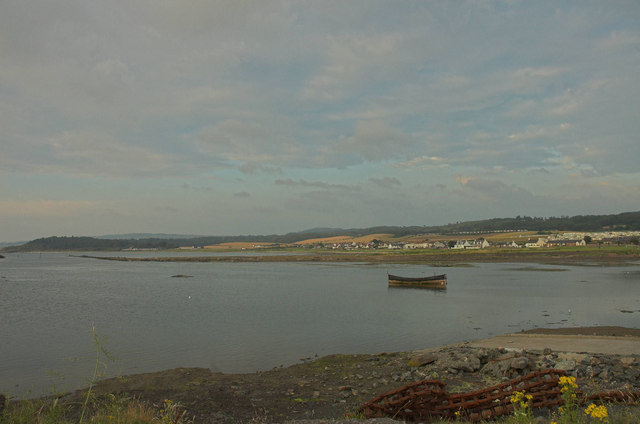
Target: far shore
448,258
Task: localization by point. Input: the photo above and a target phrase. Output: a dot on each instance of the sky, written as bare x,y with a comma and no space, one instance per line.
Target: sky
267,117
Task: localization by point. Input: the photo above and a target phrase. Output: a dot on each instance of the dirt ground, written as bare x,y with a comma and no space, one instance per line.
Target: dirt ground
330,387
589,331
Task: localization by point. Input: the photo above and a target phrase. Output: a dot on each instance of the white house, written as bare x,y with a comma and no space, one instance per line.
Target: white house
540,243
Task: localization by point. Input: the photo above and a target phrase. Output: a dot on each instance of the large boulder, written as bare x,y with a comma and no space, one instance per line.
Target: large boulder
508,366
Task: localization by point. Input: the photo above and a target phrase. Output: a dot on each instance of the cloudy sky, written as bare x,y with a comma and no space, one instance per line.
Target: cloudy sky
242,117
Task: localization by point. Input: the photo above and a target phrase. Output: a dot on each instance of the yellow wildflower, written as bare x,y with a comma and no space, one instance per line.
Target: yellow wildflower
598,412
567,383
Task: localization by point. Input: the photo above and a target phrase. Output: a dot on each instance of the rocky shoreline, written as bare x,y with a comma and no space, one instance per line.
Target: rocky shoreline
332,387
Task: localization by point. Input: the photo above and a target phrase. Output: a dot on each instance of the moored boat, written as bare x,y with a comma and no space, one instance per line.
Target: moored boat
434,281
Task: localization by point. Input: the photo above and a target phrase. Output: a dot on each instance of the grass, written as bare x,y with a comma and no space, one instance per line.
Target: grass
109,410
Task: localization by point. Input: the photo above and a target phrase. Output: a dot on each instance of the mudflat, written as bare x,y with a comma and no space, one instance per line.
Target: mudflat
602,340
435,257
611,331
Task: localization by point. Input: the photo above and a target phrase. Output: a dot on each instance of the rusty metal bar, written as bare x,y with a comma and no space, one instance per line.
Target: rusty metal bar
426,399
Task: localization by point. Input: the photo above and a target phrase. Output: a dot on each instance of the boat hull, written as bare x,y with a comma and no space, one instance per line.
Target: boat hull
434,282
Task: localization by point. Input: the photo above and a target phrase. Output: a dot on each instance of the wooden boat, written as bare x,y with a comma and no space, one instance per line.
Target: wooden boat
433,282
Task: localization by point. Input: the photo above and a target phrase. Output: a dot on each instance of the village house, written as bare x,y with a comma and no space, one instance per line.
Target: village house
417,245
554,243
542,242
475,244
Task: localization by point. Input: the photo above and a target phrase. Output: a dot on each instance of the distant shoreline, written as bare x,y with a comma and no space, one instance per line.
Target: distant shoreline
573,257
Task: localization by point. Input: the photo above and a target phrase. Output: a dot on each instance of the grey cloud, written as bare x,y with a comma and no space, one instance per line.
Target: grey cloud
538,171
123,89
86,153
493,190
221,69
376,141
316,184
386,182
258,145
253,168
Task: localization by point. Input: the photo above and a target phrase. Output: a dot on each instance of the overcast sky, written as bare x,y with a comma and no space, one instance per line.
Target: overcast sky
241,117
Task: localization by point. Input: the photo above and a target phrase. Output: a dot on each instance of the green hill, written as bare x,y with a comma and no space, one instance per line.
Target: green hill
628,221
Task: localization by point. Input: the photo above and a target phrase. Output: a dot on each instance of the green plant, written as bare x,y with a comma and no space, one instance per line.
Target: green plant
116,410
35,411
172,413
521,407
569,412
100,350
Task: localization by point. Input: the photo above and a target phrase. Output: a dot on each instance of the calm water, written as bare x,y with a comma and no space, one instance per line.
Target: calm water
243,317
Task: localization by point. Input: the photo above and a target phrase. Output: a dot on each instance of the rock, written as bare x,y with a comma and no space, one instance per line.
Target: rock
633,375
482,355
566,365
546,351
344,388
627,361
569,356
508,366
546,362
422,360
520,363
467,364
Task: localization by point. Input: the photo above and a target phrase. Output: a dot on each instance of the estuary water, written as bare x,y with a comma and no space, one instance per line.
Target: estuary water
244,317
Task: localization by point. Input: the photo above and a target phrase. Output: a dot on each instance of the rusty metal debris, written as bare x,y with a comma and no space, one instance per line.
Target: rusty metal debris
423,400
614,396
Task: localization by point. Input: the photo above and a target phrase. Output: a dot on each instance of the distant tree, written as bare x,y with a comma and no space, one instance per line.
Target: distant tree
634,240
587,239
451,243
